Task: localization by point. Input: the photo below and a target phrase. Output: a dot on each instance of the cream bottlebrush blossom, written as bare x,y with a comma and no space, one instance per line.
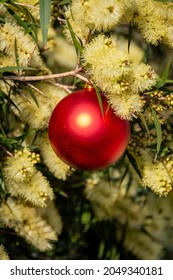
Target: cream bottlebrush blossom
7,60
121,79
96,49
23,180
76,15
86,16
156,176
36,111
3,253
54,164
168,40
11,34
151,27
126,106
107,63
154,20
144,77
26,222
104,15
51,214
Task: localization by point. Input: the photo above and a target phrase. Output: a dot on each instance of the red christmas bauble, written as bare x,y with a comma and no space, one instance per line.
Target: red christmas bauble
82,136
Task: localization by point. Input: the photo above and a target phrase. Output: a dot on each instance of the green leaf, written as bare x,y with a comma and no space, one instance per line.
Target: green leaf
158,130
165,75
144,124
6,97
134,165
33,96
12,68
45,12
99,99
75,40
130,36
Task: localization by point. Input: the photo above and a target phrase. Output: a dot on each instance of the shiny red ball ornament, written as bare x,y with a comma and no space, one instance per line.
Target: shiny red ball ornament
82,136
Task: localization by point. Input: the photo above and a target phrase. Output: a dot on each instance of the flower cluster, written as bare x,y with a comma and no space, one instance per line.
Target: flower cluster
154,20
156,174
12,35
26,221
36,103
3,254
121,79
87,16
22,179
54,164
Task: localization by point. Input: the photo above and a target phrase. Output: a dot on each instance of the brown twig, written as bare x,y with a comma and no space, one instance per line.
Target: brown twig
6,151
67,88
82,78
26,5
36,89
45,77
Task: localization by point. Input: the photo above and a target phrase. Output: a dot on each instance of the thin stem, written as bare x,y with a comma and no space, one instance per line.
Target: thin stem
36,89
26,5
64,87
82,78
5,150
45,77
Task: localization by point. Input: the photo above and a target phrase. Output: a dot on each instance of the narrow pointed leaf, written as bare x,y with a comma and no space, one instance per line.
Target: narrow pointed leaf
33,96
165,75
6,97
99,99
134,165
45,12
76,42
144,124
130,36
12,68
158,130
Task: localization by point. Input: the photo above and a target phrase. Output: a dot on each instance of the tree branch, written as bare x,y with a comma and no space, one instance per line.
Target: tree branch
41,78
